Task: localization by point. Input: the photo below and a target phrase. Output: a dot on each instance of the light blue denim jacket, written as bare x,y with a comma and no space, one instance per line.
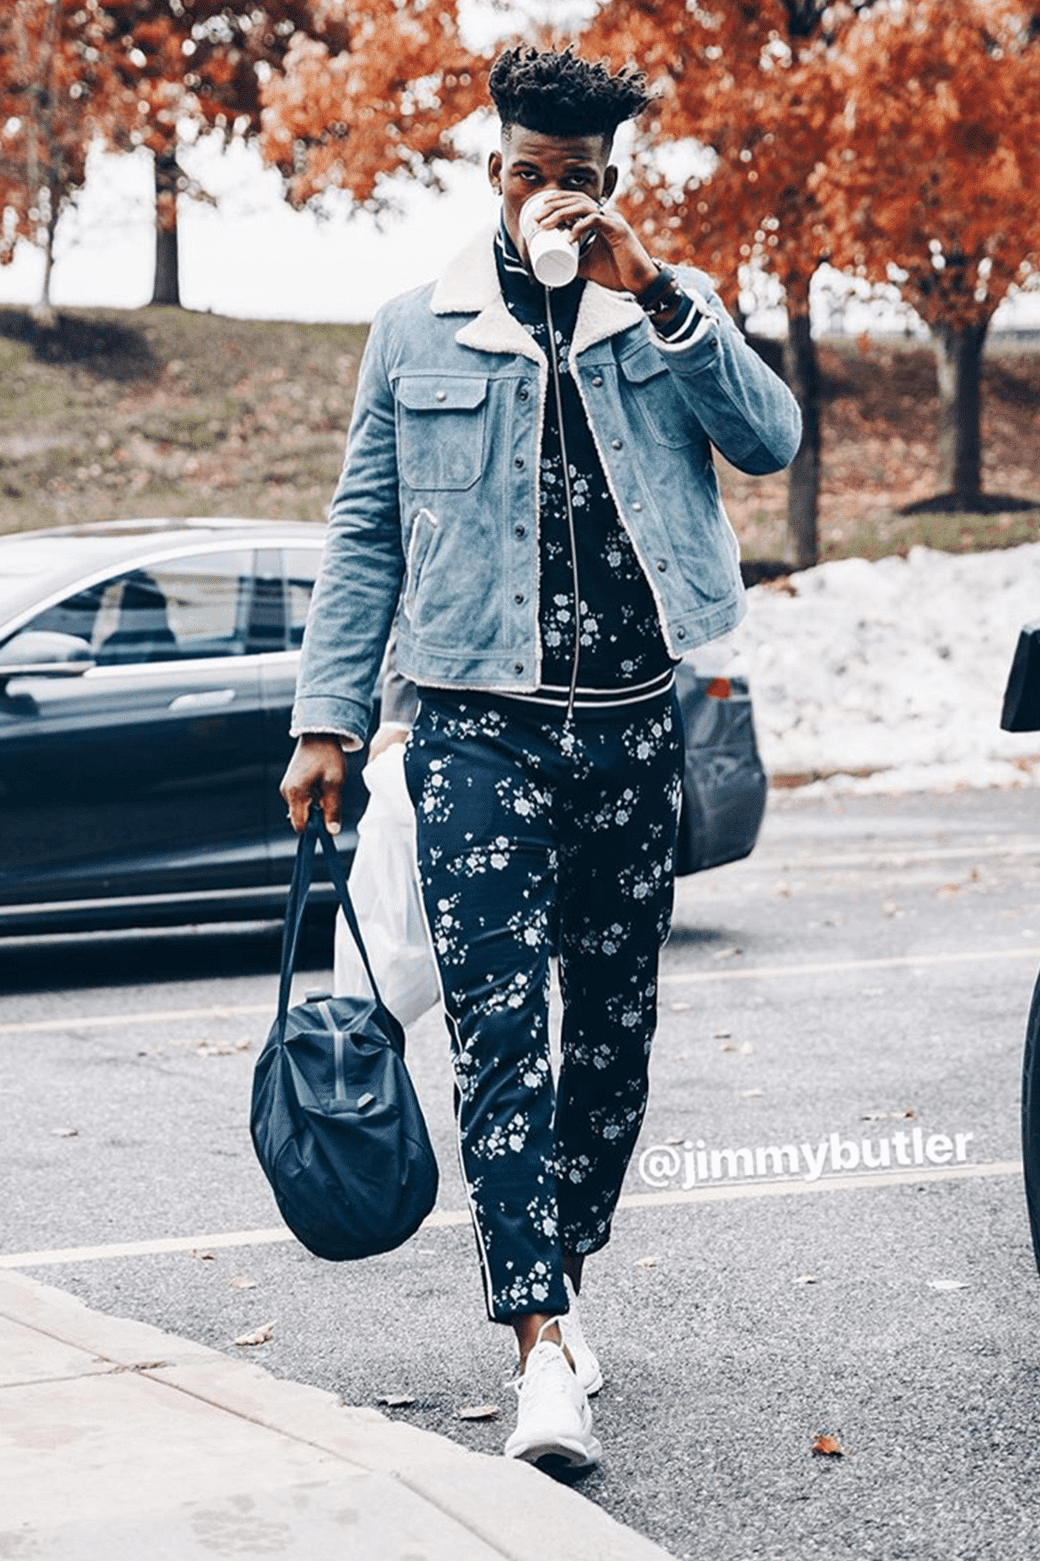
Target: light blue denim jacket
436,510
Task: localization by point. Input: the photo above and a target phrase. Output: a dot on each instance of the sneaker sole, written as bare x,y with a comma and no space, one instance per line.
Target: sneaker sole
573,1454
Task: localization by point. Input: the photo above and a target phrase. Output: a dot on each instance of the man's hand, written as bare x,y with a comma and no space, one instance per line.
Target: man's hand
315,774
615,257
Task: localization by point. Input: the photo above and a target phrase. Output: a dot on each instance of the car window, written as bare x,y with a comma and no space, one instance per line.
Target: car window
301,568
180,609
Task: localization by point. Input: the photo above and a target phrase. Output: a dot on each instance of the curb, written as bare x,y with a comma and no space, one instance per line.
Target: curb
355,1482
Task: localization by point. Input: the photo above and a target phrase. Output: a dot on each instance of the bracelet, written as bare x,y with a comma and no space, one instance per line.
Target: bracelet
657,290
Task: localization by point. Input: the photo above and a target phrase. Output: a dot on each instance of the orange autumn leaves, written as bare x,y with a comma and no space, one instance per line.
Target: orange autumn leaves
900,141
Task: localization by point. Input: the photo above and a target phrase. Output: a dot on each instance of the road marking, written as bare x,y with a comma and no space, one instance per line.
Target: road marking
442,1219
727,972
730,972
154,1016
891,857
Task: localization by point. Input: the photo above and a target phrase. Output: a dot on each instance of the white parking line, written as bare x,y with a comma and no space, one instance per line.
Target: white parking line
728,972
441,1219
731,972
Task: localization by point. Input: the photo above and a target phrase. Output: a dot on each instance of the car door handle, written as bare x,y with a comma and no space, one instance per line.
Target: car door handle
207,699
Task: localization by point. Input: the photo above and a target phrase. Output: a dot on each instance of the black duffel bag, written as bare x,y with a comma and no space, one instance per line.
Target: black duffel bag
335,1120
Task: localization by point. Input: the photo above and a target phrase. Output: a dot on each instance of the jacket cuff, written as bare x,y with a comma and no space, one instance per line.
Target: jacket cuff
340,718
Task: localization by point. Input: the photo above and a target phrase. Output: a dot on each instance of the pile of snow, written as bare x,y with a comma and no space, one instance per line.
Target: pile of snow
895,668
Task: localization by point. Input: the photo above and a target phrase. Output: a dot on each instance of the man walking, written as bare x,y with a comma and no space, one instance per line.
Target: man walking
529,498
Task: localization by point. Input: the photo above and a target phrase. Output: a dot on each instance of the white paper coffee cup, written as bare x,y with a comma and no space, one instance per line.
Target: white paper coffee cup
552,253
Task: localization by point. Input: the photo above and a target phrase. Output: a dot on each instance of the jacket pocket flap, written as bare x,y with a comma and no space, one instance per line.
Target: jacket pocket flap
643,364
441,393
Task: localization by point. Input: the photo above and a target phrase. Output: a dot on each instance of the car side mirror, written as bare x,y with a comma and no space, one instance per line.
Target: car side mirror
43,653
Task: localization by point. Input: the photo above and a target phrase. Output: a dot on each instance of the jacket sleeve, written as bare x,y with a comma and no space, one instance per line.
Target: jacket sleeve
362,567
745,409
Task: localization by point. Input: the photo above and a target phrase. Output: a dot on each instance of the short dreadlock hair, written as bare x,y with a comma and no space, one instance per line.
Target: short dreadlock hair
560,94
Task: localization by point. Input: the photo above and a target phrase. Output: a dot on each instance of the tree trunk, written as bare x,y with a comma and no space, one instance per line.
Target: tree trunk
801,546
958,361
43,311
166,288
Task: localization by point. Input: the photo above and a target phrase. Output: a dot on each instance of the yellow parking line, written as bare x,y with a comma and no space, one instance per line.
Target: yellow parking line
442,1219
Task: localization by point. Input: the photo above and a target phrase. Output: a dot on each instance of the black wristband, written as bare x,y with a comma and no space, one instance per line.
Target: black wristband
660,285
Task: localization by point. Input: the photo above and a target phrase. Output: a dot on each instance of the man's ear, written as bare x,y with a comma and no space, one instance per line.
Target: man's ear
494,168
610,179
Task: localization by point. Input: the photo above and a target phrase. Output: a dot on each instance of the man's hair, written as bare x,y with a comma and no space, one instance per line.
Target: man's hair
562,95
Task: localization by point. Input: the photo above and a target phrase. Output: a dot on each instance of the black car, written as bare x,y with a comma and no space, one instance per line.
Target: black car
146,676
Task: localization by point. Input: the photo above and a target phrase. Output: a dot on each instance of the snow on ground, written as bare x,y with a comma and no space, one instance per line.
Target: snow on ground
895,668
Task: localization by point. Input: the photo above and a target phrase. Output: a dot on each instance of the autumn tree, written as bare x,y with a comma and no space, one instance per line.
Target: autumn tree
202,63
344,118
931,178
754,86
58,91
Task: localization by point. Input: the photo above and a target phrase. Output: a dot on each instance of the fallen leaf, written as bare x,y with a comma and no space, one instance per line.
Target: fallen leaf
948,891
395,1400
749,1094
681,1008
675,1140
726,953
728,1046
948,1284
203,1257
243,1282
747,1050
723,1035
65,1132
258,1336
646,1262
891,908
825,1446
889,1116
478,1412
804,1279
782,891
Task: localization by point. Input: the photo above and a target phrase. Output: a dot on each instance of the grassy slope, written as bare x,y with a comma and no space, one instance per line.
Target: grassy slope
166,412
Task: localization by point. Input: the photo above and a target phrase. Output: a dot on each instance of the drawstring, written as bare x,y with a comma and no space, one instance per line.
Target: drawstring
554,359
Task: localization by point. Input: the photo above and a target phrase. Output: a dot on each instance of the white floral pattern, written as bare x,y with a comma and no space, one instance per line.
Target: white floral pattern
545,836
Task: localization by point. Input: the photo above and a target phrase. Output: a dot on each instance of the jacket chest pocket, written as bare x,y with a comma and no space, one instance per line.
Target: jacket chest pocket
649,384
440,430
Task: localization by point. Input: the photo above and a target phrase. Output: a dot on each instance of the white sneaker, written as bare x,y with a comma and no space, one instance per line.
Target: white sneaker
553,1419
586,1366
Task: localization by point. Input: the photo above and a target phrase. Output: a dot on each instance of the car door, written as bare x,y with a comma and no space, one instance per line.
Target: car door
297,568
145,775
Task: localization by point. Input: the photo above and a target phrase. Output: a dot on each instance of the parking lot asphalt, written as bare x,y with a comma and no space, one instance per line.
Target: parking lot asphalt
823,1231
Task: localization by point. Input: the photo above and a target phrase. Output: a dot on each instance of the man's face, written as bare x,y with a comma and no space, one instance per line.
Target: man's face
530,161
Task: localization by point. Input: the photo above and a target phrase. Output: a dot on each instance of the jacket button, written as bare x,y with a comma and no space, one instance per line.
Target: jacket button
523,393
637,506
680,634
617,444
518,666
519,598
441,395
518,463
662,564
597,380
519,531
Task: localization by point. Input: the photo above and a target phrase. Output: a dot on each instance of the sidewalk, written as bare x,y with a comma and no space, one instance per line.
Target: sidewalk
118,1441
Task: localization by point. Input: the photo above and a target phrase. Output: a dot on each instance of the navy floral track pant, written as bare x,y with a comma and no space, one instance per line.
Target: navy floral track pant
538,836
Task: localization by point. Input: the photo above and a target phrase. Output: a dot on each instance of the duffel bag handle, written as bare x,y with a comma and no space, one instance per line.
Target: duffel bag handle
299,888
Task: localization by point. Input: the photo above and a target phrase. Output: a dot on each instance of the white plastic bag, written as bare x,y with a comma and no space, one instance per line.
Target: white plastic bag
384,887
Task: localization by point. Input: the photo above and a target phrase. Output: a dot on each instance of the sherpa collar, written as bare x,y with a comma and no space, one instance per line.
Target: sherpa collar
470,285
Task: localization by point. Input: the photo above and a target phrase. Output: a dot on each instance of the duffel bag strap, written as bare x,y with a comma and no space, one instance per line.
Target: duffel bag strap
299,888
